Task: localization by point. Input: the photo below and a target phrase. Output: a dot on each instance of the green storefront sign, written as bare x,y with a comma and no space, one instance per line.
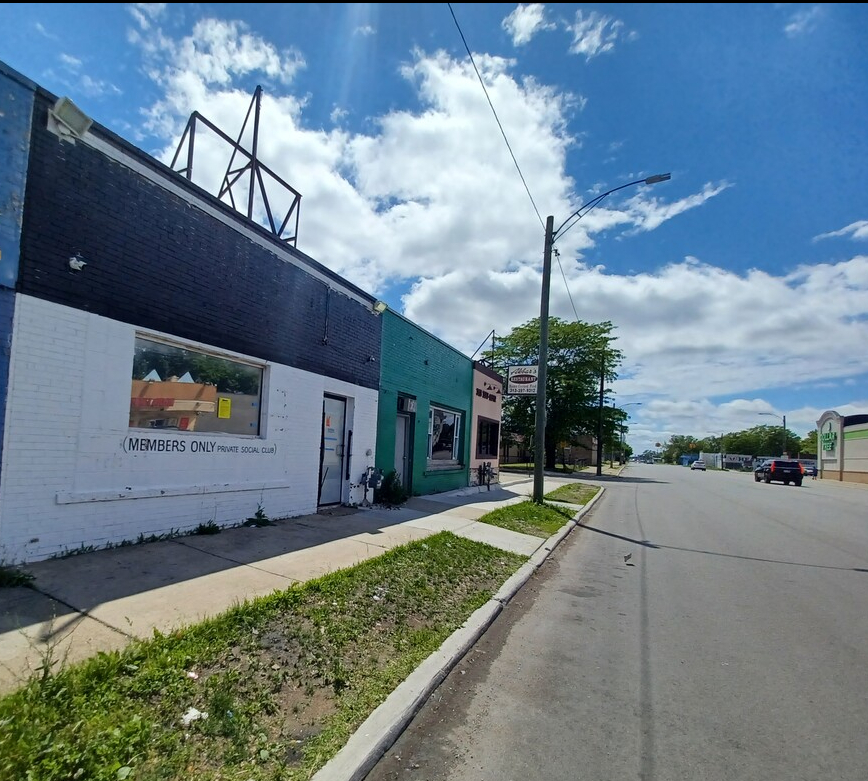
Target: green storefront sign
829,440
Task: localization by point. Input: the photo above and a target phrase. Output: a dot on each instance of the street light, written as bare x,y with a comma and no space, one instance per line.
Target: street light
600,417
551,237
784,423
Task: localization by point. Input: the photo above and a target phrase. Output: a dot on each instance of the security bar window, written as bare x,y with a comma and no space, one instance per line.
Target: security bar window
184,389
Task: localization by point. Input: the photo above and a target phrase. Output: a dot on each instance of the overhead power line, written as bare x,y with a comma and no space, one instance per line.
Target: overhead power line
496,118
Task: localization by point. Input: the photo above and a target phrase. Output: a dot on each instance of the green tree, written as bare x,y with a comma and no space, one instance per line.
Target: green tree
808,445
762,440
680,445
579,354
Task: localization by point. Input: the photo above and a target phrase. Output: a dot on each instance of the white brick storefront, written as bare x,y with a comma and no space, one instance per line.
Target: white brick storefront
74,475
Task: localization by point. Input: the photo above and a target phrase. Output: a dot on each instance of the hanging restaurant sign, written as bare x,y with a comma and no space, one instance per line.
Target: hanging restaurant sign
522,380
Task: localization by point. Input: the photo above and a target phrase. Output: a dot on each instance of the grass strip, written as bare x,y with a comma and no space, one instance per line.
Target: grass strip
270,689
541,520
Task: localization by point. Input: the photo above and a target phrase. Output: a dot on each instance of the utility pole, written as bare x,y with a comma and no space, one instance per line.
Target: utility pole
600,410
784,451
551,236
539,456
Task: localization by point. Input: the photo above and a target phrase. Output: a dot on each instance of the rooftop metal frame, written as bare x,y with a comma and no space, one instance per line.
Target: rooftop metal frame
259,173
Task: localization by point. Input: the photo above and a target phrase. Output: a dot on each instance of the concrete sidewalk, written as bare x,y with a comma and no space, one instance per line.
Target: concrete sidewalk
100,600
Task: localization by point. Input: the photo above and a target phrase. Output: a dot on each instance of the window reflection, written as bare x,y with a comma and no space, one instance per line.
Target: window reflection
183,389
444,428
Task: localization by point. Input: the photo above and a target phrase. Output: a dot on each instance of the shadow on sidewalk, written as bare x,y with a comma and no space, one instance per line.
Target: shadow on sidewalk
112,595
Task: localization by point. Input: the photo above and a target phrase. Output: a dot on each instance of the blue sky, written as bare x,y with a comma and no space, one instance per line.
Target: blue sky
738,287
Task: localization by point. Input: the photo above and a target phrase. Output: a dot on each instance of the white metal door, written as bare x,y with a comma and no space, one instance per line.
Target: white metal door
331,470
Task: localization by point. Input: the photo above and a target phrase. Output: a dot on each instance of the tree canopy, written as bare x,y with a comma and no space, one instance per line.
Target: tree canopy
757,441
579,354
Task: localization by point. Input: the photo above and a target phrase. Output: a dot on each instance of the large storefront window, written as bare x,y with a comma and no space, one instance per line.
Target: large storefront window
486,438
444,435
183,389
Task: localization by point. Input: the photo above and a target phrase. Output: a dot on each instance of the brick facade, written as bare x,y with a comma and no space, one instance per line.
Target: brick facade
164,261
162,254
420,366
487,411
16,106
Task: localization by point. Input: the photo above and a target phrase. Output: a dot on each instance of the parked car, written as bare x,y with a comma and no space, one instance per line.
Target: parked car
778,470
698,465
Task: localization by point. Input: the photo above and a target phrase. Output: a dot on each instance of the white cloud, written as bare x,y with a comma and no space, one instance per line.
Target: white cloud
97,87
648,213
82,83
662,418
803,21
737,332
594,34
199,72
338,115
40,28
525,22
856,230
146,14
430,198
73,63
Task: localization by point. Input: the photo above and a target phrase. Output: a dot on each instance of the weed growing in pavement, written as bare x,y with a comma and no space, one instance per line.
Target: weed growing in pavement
50,660
278,684
259,518
207,528
169,535
140,540
13,576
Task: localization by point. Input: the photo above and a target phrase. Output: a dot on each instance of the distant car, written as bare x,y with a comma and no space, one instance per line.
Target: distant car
698,465
779,470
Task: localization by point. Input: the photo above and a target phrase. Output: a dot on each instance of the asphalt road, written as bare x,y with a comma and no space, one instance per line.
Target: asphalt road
732,645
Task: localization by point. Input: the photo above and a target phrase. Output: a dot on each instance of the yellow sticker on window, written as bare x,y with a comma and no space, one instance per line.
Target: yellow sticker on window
224,408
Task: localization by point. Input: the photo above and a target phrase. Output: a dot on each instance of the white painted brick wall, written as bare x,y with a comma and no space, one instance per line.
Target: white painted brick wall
67,418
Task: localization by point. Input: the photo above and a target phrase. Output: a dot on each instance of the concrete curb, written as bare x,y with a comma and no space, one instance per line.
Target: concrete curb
384,726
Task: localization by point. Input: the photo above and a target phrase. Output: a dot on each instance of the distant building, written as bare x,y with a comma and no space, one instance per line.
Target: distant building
737,461
485,426
842,442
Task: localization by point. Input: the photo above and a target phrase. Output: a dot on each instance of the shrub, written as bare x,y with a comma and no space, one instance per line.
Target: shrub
391,491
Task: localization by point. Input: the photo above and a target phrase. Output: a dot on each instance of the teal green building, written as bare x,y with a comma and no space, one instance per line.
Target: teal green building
425,405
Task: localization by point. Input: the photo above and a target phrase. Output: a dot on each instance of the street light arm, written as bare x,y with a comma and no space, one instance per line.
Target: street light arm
540,423
783,421
585,208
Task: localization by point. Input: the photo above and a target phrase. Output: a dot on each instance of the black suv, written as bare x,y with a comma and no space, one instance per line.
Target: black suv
778,470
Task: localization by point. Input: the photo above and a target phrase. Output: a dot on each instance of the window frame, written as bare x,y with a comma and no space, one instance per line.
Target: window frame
231,358
455,460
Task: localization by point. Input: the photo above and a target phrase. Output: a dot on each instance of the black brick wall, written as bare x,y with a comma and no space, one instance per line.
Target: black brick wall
156,261
7,310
